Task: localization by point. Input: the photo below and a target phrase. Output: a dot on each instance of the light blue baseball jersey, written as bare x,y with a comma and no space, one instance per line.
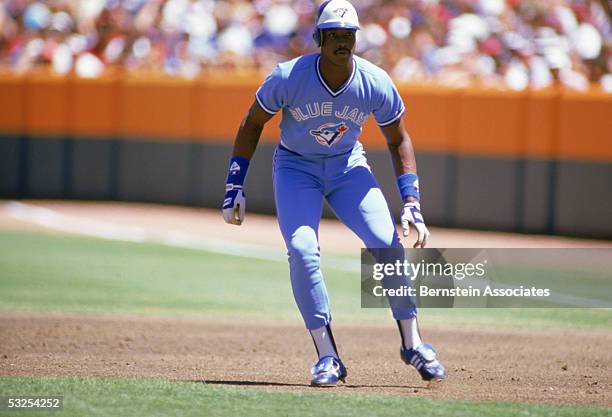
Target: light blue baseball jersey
320,122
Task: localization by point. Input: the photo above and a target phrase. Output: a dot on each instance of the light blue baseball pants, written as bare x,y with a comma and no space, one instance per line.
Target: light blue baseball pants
300,184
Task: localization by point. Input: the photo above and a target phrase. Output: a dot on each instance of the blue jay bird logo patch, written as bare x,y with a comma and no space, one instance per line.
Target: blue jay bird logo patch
329,133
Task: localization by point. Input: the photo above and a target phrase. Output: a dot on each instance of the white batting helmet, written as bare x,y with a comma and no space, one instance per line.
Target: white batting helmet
335,14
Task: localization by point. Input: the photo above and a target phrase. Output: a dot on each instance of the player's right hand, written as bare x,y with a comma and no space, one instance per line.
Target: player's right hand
411,215
234,204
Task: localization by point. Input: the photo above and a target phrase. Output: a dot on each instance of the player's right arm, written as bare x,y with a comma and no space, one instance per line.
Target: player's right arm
250,130
247,138
269,99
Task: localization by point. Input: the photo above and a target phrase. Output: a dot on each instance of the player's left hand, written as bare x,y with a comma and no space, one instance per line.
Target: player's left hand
411,215
234,205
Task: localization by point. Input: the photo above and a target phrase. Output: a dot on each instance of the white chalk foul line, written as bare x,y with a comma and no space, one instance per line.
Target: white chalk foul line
79,225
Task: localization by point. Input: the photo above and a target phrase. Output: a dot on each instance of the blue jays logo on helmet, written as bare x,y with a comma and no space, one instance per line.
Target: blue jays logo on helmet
329,133
341,11
335,14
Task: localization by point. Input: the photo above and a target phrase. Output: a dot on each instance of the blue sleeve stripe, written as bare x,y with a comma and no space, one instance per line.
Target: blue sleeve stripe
393,119
267,110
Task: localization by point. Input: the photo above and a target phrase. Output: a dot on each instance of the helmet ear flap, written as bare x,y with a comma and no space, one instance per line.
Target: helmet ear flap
316,36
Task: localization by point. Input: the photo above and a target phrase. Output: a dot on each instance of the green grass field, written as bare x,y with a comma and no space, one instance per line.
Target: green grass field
41,272
67,273
154,397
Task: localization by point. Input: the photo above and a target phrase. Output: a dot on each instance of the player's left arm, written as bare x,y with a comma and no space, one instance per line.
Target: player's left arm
400,147
404,164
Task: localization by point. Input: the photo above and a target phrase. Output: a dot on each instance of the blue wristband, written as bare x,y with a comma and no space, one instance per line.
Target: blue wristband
408,185
237,171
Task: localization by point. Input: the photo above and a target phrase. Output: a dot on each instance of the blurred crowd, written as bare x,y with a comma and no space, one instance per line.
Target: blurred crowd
514,44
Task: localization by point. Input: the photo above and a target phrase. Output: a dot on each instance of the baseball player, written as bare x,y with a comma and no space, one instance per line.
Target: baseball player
325,99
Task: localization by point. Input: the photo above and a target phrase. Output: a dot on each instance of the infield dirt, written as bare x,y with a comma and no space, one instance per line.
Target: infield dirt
555,367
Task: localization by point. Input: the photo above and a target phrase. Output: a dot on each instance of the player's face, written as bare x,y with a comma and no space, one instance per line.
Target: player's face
338,44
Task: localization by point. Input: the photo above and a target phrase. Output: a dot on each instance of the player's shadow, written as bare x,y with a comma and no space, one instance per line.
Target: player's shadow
285,384
250,383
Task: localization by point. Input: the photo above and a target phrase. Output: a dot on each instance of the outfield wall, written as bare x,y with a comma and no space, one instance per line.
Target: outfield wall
534,161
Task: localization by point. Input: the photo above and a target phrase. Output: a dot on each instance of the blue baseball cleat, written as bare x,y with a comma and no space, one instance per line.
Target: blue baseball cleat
327,372
423,358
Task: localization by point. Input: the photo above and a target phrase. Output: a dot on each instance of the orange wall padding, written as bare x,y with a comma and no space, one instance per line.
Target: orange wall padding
156,108
222,102
12,104
541,124
94,107
489,123
48,105
585,126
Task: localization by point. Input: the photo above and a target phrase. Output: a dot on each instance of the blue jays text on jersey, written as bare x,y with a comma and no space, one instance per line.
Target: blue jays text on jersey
326,109
318,121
